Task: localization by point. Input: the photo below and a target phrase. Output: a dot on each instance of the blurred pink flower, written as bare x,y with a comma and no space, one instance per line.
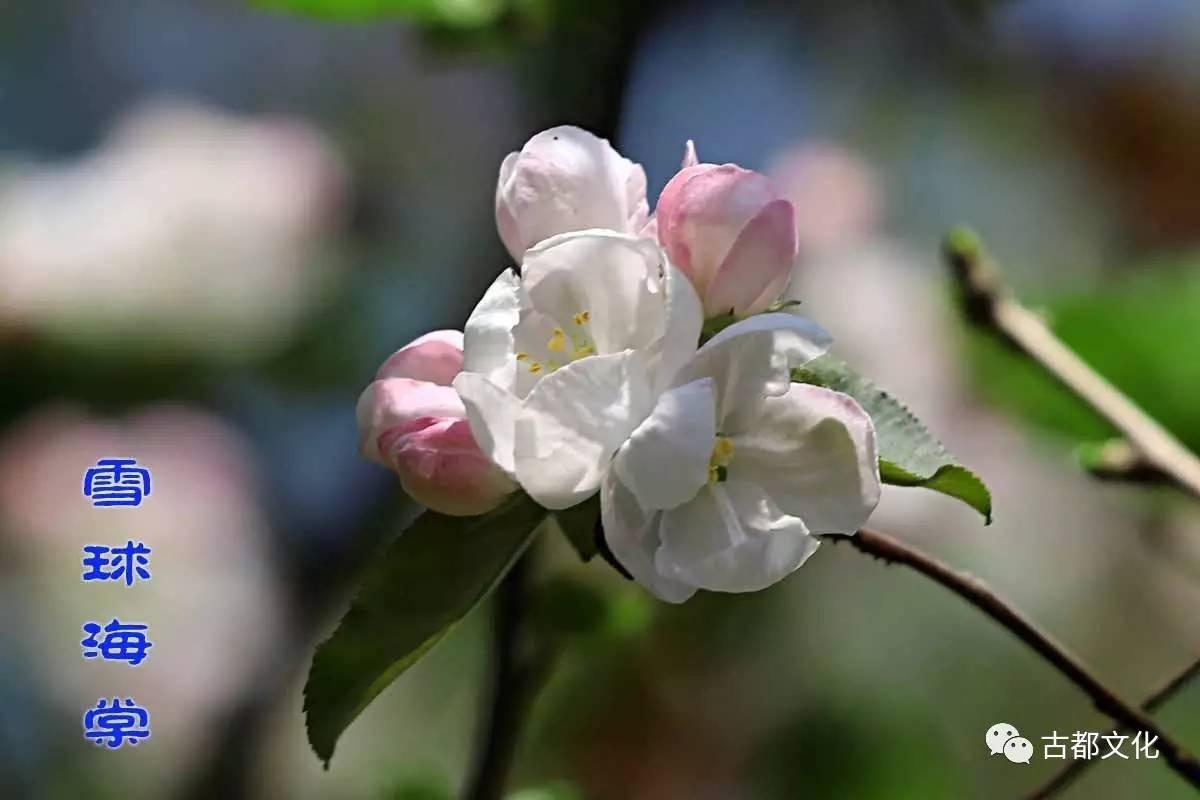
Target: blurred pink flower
835,192
185,221
212,603
411,420
730,232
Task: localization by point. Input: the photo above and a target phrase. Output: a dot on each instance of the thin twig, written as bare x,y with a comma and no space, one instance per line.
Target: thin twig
989,304
518,670
1075,769
972,590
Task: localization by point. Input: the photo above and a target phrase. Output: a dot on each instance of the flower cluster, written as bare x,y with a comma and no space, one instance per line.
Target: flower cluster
586,372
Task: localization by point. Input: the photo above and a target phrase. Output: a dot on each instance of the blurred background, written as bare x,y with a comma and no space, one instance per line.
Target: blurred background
218,218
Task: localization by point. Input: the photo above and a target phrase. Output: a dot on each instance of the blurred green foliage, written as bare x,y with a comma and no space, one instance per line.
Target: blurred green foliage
1141,332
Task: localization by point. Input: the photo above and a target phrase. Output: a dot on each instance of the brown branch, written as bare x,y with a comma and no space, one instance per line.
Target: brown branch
989,304
1075,769
972,590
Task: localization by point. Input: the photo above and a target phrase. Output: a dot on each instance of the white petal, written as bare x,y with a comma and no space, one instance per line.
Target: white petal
632,536
574,420
681,321
488,334
752,360
813,451
567,179
665,461
493,413
506,221
731,538
604,273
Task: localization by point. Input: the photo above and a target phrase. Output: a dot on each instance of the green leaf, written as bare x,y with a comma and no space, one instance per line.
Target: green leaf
453,13
578,524
909,455
420,587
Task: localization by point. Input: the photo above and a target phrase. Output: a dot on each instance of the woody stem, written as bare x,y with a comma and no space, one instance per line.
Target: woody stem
976,593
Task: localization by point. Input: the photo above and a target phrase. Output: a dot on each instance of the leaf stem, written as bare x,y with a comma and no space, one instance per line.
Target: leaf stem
977,594
1075,769
989,304
516,674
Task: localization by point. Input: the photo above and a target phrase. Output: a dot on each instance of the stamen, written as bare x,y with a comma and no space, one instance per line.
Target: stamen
585,350
535,367
722,454
522,356
558,342
582,317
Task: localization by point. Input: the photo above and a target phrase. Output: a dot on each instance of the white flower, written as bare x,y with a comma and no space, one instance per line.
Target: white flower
560,366
566,179
726,484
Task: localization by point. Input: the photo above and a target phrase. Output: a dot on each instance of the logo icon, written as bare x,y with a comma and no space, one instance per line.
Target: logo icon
1018,750
998,735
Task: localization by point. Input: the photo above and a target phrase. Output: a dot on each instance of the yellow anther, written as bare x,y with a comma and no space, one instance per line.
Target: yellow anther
522,356
722,454
582,317
535,367
558,342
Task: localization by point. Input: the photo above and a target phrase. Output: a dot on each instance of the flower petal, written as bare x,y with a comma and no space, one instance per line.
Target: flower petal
607,274
752,360
690,159
506,223
731,538
680,323
435,357
488,335
440,466
574,420
493,413
665,461
390,402
567,179
702,210
813,451
632,536
758,266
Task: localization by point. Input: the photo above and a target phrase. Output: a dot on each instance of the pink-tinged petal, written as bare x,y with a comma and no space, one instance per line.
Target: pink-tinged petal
702,215
440,466
435,357
690,159
758,264
666,215
566,179
390,402
506,223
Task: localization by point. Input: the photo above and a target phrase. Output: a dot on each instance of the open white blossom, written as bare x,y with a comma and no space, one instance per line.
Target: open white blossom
727,483
561,365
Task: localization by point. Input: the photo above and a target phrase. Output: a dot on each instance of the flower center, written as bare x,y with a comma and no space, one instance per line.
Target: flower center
722,454
573,345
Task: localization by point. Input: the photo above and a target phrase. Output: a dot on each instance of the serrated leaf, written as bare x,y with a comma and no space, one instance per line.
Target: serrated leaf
578,524
424,583
909,455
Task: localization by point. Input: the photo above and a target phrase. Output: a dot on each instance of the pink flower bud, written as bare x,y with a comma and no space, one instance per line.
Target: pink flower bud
566,179
411,420
731,233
